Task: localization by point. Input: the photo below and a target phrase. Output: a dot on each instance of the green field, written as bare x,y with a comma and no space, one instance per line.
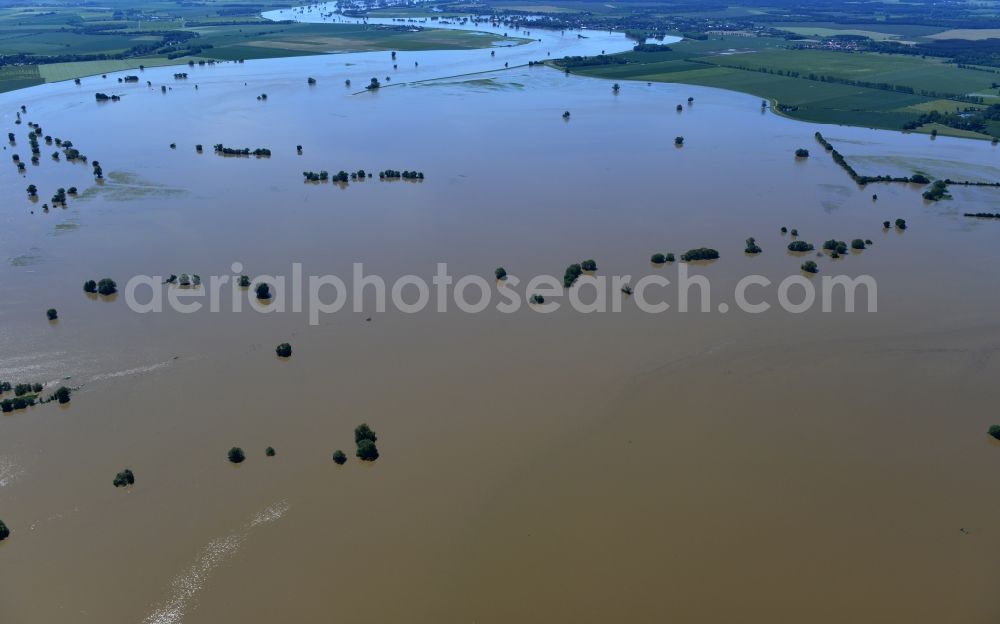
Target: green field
55,72
268,40
736,64
70,36
19,77
922,74
820,32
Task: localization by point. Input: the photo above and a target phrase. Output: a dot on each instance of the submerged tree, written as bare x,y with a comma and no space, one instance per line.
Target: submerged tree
573,272
367,451
835,245
364,432
62,394
90,286
810,267
52,314
752,247
501,273
4,531
124,478
236,455
339,457
284,350
701,253
263,291
107,286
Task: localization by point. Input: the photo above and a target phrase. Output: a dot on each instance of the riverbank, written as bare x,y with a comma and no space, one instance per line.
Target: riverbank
230,43
813,85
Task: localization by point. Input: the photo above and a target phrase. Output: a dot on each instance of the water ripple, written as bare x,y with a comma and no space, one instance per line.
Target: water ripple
186,585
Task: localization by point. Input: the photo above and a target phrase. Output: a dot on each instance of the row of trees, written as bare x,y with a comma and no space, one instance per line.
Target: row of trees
364,438
26,400
390,174
860,179
106,287
361,174
222,150
574,271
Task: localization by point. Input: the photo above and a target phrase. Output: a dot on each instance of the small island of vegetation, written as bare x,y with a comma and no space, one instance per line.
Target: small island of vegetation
365,439
124,478
701,253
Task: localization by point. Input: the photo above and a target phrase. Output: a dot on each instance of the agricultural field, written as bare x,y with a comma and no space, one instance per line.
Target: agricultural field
910,71
19,77
48,44
761,67
268,40
977,34
820,32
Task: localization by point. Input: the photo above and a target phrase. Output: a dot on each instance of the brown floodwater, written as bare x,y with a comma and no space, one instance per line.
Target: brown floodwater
700,467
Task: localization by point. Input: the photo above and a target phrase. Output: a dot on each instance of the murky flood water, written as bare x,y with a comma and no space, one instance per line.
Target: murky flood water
701,467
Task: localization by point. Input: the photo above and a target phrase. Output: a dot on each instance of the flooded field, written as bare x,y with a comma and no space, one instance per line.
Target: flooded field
701,467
